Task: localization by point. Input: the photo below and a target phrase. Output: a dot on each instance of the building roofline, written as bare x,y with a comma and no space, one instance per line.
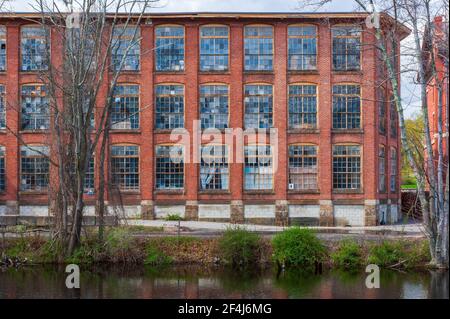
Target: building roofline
236,15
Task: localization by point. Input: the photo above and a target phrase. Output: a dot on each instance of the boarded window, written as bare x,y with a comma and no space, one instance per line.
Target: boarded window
258,103
169,167
302,48
34,168
258,170
33,48
35,109
169,106
169,48
346,167
126,46
214,173
346,107
303,167
302,107
381,111
125,108
214,106
258,48
214,48
346,48
125,167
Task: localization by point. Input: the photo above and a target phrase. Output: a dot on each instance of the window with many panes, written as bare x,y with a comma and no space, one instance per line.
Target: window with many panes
346,48
346,106
346,167
126,38
258,169
89,181
125,167
303,167
2,169
169,167
393,179
169,106
34,168
214,172
258,103
302,48
2,48
169,48
214,48
125,108
33,48
382,169
258,48
393,117
214,106
35,109
2,108
302,106
381,111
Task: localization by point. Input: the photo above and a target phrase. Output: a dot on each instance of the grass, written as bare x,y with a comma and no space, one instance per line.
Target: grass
348,255
239,247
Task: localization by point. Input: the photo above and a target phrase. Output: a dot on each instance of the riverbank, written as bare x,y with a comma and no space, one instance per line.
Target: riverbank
138,245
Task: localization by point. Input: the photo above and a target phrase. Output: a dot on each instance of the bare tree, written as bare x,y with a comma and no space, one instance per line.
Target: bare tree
85,60
418,16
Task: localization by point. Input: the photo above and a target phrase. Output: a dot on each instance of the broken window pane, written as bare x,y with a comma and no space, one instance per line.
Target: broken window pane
169,106
346,48
125,108
214,106
302,107
214,48
258,48
2,108
125,167
302,48
2,169
34,168
169,48
258,170
126,39
393,179
382,169
35,108
33,48
169,167
258,103
346,107
214,172
303,167
2,48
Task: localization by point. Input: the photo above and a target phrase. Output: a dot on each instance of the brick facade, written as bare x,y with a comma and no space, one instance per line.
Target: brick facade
149,199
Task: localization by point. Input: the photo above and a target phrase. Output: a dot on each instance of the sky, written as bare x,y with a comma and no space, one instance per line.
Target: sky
408,89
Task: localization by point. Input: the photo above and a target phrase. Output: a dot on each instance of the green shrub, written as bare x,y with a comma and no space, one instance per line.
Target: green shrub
297,247
239,247
118,240
386,254
156,257
174,217
348,255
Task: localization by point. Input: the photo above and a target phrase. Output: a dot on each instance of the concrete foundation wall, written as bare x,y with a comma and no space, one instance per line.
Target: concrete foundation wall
33,210
213,211
349,215
2,210
304,215
259,211
383,214
164,211
394,214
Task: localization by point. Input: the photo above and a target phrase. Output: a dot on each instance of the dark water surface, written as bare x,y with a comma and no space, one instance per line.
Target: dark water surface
201,282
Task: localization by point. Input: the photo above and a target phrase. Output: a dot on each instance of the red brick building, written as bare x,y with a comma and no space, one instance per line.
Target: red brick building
311,76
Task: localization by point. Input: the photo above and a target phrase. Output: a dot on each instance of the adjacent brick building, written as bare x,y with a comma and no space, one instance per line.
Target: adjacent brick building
314,77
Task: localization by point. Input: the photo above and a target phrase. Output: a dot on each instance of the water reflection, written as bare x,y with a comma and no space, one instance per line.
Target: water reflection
215,282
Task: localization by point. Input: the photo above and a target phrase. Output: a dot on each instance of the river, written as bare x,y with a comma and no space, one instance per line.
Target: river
216,282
